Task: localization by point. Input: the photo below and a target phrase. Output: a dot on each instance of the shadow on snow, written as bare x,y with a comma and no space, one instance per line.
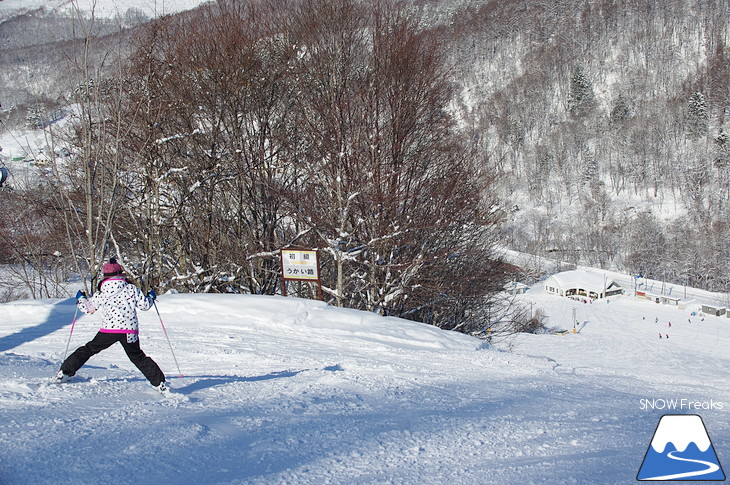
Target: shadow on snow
62,314
205,382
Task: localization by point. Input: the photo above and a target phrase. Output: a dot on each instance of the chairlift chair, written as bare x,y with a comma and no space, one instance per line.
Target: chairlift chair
4,174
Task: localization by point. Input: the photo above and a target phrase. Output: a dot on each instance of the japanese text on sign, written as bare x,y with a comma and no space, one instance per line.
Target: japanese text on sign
299,264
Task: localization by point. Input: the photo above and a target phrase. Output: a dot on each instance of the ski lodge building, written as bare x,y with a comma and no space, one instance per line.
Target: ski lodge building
582,284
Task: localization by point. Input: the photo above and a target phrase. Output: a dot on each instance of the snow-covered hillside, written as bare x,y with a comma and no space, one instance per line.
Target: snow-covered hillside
283,390
100,8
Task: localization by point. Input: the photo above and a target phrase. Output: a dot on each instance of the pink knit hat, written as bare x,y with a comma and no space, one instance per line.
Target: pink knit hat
112,268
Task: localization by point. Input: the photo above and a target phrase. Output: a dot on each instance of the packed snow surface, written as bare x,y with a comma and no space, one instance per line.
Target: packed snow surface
281,390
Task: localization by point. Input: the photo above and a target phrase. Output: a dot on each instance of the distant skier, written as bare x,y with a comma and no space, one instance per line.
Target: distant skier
670,324
118,301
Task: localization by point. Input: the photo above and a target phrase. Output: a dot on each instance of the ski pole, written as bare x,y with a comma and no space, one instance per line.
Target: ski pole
73,324
164,330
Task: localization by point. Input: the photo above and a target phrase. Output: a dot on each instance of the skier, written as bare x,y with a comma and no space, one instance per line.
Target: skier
118,300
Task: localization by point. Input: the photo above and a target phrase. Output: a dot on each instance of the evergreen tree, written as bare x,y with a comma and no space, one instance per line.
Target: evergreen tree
722,140
697,116
622,109
581,98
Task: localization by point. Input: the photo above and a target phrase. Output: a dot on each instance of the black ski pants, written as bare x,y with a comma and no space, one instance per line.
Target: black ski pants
103,341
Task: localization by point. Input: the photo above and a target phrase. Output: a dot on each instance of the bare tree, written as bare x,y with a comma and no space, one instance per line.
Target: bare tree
214,156
390,188
86,183
33,241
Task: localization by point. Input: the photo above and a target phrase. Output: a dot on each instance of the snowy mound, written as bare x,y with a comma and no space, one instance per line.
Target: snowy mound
242,314
302,318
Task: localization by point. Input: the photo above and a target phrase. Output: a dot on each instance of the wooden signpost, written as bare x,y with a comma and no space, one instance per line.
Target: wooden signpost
300,265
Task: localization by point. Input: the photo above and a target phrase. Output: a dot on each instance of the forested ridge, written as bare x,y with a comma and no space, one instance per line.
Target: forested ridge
609,123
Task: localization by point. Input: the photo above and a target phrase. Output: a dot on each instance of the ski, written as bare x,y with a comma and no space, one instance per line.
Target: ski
60,378
164,390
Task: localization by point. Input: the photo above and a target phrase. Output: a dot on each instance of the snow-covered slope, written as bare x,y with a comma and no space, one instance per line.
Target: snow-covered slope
100,8
283,390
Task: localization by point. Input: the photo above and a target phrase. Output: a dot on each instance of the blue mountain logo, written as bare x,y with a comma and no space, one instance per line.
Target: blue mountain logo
681,450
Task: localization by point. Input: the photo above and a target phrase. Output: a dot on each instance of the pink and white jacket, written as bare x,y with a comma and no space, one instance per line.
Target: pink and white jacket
118,301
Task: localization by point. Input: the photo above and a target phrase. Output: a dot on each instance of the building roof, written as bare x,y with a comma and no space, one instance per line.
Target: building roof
515,285
585,280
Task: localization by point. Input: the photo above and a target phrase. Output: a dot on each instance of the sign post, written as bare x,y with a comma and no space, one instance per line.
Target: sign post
300,265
